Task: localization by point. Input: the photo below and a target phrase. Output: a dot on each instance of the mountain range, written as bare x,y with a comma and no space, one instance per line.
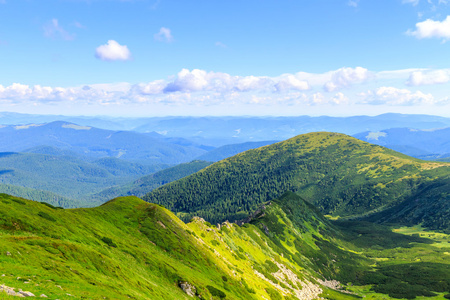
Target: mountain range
428,144
219,131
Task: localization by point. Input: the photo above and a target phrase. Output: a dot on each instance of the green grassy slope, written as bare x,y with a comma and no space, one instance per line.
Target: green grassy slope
124,248
341,175
130,249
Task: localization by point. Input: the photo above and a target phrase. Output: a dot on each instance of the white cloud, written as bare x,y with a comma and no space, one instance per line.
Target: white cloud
345,77
290,82
202,88
53,30
396,96
432,29
339,98
428,77
164,35
112,51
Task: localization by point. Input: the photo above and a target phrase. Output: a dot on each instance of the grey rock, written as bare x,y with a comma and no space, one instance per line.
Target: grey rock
188,288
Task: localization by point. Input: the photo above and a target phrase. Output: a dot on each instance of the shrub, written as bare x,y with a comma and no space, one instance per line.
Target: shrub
46,216
216,292
108,242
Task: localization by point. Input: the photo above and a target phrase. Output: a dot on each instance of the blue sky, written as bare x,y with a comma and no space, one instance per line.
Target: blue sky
162,57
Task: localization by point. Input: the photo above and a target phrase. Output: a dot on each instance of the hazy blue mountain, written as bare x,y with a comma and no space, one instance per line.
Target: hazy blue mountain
98,143
219,131
424,144
230,150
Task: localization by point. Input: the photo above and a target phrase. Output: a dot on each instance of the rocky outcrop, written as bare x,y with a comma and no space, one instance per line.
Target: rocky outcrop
188,288
11,291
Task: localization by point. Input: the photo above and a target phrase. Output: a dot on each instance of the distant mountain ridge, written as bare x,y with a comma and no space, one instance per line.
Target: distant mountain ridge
98,143
219,131
424,144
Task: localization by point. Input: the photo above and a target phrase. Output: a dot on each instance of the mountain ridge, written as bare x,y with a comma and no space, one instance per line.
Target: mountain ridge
341,175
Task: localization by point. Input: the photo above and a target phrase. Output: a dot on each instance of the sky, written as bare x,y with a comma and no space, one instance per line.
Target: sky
225,57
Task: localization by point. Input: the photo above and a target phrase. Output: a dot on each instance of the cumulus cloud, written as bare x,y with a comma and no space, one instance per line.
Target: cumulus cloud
345,77
164,35
203,88
432,29
21,93
112,51
200,80
290,82
53,30
339,98
395,96
428,77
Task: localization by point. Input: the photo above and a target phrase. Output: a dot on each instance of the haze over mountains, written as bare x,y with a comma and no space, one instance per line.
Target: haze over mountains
219,131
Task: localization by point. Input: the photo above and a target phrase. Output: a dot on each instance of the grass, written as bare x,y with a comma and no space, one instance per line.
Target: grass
128,248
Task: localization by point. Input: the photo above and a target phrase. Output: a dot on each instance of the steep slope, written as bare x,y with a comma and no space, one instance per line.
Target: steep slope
128,248
341,175
146,184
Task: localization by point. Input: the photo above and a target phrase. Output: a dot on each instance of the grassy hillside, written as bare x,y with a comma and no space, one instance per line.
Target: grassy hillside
341,175
145,184
130,249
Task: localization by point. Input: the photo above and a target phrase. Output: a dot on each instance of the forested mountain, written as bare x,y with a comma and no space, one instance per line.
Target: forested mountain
339,174
425,144
69,177
287,250
98,143
145,184
230,150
